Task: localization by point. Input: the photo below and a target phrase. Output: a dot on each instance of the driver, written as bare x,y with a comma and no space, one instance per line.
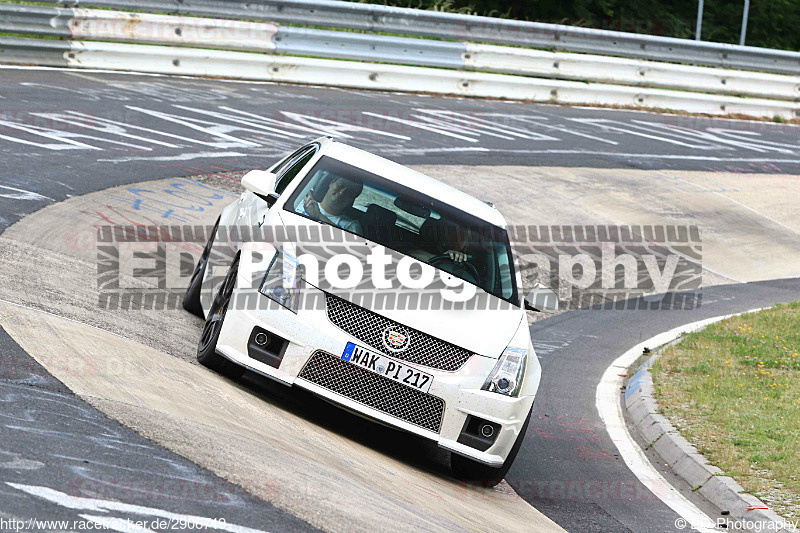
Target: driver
452,241
455,243
446,239
334,206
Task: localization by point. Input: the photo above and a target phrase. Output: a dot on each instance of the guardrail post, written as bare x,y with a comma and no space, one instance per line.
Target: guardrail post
698,29
744,22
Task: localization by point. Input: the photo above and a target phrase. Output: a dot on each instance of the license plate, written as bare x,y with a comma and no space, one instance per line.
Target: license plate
386,366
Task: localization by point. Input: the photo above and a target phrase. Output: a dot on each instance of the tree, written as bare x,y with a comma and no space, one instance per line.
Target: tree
772,23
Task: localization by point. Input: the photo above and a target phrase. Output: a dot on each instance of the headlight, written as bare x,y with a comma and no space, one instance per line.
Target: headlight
281,281
506,378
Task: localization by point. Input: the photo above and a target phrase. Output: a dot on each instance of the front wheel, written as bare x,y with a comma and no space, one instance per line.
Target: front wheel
207,348
485,475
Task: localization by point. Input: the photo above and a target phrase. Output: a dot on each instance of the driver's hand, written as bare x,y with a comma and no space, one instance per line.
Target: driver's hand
458,257
311,207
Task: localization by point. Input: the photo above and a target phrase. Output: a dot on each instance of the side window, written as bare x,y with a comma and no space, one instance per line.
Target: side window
288,171
277,167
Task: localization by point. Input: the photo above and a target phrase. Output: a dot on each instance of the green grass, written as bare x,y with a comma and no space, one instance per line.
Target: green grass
733,390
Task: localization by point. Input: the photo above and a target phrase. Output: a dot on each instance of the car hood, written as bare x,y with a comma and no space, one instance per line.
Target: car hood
484,324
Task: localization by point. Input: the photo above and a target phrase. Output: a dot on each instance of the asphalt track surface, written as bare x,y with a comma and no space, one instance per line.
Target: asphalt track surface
67,133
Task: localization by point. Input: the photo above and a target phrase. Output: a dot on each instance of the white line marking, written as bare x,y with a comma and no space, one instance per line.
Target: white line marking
125,125
104,506
593,152
21,194
538,121
180,157
61,137
213,129
630,128
416,124
652,156
423,151
97,125
477,126
610,408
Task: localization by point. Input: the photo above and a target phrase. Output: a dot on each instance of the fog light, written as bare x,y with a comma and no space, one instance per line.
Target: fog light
479,433
262,339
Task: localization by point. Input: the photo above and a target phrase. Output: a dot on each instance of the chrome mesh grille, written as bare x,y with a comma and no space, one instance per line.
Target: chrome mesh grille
368,327
372,390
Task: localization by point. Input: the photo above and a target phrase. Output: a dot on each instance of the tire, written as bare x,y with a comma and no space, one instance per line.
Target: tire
481,474
191,299
207,347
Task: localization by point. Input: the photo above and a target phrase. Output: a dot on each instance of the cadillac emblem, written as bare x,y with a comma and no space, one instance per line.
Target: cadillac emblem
396,339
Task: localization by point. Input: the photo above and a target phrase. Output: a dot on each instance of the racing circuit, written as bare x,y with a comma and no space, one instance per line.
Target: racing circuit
107,416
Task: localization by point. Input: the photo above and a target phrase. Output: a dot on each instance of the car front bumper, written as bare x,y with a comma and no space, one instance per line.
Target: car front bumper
311,334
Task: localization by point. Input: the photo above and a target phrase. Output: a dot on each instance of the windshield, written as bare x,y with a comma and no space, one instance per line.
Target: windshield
409,222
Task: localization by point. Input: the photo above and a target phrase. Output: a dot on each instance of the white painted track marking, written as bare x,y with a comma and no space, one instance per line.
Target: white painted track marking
645,156
13,193
104,506
179,157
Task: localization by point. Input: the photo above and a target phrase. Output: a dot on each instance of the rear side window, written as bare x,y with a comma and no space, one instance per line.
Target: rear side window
292,166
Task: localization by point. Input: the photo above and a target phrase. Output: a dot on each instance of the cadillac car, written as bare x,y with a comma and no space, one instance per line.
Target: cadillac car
379,289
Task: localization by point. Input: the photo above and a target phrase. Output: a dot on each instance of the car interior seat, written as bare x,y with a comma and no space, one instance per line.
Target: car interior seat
379,224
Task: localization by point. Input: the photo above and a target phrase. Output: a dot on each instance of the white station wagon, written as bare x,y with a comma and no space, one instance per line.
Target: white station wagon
379,289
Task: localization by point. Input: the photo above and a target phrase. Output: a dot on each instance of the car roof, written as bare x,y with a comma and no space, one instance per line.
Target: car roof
415,180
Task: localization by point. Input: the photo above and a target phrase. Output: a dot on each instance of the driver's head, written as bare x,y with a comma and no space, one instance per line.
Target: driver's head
340,195
443,236
456,237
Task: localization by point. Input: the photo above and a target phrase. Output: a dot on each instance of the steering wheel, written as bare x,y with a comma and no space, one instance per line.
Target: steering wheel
469,267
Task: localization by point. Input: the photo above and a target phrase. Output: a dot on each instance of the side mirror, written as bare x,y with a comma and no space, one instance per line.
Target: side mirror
262,184
541,298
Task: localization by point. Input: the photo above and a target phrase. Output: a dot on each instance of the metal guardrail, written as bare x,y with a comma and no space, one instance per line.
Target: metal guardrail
269,50
361,75
226,34
405,21
39,20
145,28
633,72
47,53
368,47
